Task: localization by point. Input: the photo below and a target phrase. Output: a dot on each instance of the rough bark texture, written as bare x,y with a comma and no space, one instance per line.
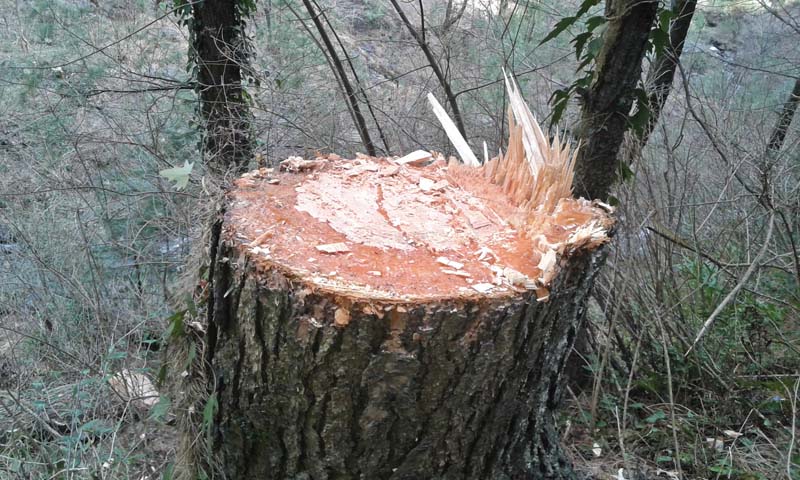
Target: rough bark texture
607,103
219,53
446,390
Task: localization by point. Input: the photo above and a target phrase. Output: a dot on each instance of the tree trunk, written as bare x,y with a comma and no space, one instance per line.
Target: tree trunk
219,51
608,102
347,340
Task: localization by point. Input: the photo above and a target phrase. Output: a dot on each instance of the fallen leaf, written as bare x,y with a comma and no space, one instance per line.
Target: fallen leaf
179,175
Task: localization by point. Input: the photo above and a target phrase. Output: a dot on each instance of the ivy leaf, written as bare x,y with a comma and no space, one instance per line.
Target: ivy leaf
641,117
664,17
559,99
659,39
179,175
562,25
580,41
585,6
594,22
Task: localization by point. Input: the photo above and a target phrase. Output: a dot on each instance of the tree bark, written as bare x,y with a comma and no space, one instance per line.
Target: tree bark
443,390
219,52
607,103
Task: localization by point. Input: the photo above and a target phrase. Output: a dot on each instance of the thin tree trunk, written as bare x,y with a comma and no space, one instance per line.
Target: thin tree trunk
662,73
434,63
219,52
607,103
361,90
350,95
784,120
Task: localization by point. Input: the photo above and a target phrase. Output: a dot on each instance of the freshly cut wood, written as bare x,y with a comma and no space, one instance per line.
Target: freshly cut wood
399,322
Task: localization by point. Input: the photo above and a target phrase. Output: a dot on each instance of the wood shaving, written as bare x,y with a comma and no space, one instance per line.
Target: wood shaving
339,247
483,287
299,164
547,264
450,263
459,273
417,157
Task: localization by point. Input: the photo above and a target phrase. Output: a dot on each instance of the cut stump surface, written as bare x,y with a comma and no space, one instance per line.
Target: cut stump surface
375,229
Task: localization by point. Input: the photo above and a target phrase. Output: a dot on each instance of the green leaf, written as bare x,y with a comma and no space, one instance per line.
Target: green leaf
659,38
663,459
659,415
168,472
580,41
585,6
96,427
664,17
625,172
594,22
209,412
562,25
161,408
560,100
175,328
179,175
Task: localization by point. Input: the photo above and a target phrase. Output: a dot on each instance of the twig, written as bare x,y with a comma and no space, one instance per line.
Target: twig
794,431
728,298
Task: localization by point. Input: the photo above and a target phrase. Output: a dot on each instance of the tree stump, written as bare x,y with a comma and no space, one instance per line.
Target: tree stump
380,319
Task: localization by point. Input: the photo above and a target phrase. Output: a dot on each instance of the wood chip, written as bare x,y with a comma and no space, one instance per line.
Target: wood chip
450,263
389,171
483,287
460,273
547,264
333,248
426,184
299,164
260,239
476,219
416,157
341,317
